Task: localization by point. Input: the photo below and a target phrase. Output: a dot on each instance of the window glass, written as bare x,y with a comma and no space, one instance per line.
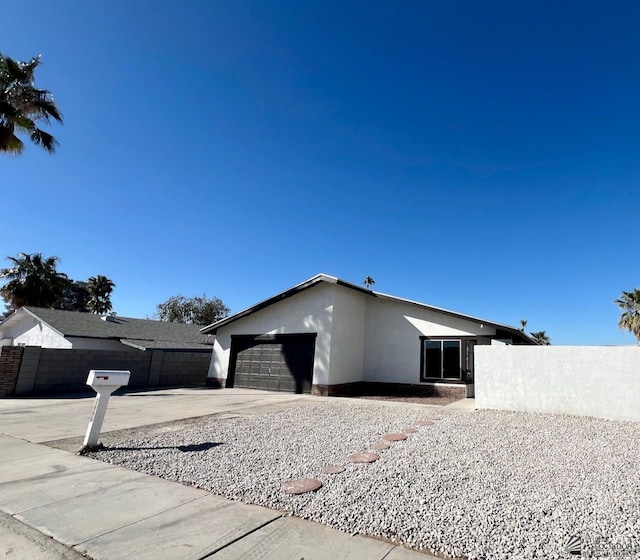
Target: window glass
441,359
451,359
432,359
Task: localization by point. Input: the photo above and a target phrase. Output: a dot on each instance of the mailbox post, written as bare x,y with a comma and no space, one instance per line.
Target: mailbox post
103,382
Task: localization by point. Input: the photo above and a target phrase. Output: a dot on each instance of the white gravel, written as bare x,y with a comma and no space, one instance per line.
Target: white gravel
479,485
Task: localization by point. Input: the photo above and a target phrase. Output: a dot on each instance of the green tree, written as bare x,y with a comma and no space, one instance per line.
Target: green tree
523,324
368,282
23,106
33,280
541,338
75,297
629,302
99,288
194,311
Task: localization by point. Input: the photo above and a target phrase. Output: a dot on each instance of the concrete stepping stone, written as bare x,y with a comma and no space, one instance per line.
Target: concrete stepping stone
364,457
301,485
425,423
394,437
332,469
380,446
409,431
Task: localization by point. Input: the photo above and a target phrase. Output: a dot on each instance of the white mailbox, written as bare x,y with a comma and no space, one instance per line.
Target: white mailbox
106,378
104,382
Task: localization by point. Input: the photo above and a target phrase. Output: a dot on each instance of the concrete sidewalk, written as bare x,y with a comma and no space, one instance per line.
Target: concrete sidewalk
108,512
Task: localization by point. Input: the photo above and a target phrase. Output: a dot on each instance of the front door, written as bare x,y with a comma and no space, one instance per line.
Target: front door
471,388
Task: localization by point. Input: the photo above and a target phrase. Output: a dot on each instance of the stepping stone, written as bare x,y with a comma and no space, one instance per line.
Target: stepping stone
394,437
364,457
332,469
380,445
442,412
301,485
425,423
410,431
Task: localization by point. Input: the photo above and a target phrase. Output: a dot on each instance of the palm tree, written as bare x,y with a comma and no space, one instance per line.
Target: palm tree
100,288
22,105
33,280
541,338
368,282
629,302
523,324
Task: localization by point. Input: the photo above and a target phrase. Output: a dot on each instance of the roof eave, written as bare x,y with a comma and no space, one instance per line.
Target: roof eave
213,328
500,326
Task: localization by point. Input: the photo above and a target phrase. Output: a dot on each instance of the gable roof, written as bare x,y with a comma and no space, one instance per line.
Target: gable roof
516,334
138,333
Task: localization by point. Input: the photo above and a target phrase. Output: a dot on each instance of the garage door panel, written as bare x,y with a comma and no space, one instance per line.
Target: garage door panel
284,364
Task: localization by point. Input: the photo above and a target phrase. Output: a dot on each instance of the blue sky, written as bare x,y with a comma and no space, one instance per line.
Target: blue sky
481,157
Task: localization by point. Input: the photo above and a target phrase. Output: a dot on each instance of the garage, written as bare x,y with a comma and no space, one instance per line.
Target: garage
272,362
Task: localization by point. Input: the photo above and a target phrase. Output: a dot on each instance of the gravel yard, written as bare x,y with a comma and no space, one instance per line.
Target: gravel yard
481,485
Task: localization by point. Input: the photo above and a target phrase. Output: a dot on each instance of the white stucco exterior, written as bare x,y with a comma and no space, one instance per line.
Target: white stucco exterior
31,331
361,336
392,350
310,311
601,381
348,334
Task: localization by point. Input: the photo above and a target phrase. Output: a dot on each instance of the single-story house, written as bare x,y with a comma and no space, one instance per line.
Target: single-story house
54,328
329,337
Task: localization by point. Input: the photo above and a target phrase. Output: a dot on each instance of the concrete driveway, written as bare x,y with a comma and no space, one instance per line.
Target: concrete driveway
48,419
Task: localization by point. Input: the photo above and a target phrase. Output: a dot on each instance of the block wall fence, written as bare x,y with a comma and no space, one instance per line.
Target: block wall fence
33,370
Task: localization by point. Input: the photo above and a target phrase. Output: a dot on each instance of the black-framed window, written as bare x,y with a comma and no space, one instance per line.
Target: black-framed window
441,359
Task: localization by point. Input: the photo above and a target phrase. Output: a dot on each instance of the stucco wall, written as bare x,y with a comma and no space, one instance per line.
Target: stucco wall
347,336
31,332
392,346
602,381
309,311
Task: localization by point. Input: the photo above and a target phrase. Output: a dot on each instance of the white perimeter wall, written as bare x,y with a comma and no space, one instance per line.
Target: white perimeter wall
601,381
310,311
392,347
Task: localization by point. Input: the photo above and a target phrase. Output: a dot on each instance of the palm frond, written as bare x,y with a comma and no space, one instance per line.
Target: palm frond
9,142
44,139
24,124
629,320
22,106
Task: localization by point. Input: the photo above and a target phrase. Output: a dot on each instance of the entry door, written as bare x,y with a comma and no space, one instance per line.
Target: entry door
471,388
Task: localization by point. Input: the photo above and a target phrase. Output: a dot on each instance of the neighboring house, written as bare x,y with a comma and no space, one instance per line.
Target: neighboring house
54,328
328,336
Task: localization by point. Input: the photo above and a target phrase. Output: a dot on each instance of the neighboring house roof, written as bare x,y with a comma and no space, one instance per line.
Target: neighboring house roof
517,334
138,333
166,344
